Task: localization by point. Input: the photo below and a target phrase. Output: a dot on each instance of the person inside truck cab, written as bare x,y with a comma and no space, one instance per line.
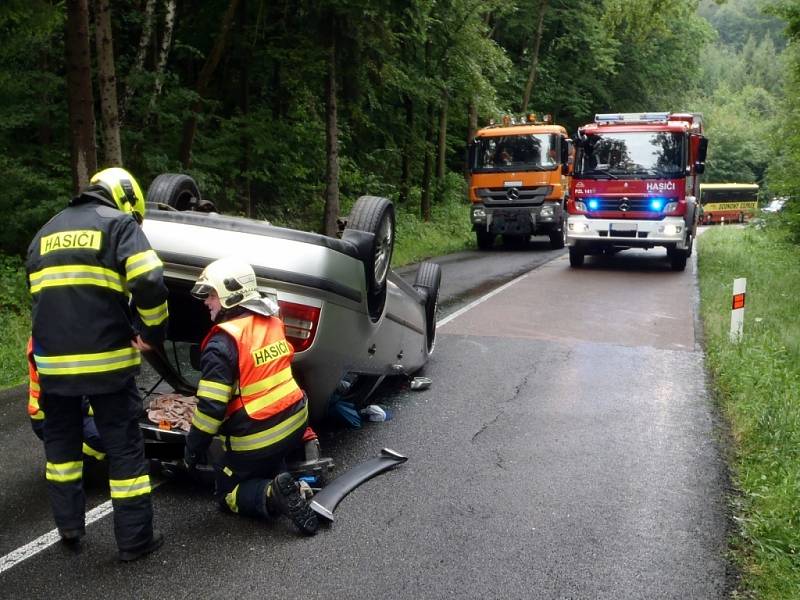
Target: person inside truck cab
247,396
503,156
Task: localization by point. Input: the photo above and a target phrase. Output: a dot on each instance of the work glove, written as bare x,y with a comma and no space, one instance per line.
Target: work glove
192,458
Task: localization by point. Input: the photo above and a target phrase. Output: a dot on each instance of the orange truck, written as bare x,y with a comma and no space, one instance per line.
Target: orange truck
519,181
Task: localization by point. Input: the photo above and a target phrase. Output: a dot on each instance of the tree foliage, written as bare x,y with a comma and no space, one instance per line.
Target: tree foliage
408,78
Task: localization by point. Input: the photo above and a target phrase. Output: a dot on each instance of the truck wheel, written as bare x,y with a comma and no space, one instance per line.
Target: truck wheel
375,215
558,237
678,260
427,282
485,239
176,190
575,257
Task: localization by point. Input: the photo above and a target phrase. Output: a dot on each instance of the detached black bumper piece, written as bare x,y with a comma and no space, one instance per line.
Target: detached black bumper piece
326,501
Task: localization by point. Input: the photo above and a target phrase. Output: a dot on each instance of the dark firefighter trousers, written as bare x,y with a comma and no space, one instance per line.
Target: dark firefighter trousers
241,482
117,418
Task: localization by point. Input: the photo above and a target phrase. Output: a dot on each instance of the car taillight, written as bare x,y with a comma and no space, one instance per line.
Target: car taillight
301,323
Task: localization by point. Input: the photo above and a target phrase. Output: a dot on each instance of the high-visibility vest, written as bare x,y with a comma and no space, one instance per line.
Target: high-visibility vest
266,385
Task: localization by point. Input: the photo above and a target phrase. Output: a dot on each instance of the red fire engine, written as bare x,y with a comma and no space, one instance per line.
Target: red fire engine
635,185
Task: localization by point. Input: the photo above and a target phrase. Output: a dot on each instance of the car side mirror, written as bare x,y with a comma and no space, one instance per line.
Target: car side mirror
702,149
699,167
471,156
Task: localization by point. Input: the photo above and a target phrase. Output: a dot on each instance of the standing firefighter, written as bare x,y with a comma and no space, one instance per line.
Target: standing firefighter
82,266
248,396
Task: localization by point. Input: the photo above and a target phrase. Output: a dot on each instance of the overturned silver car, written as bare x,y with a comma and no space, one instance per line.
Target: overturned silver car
347,314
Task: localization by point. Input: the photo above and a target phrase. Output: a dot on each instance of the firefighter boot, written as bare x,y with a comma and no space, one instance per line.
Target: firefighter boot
283,497
154,544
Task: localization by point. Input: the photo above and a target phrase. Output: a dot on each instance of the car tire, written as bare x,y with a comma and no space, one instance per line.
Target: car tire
678,260
175,190
484,239
576,257
427,282
375,215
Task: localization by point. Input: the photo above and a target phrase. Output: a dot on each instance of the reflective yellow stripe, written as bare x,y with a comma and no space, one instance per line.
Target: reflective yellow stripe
270,436
65,472
89,451
37,416
34,386
130,488
141,263
205,423
75,275
230,499
268,383
253,406
78,364
214,390
153,316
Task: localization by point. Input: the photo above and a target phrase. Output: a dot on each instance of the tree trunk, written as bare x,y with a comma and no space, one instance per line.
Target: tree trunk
45,135
425,201
107,84
204,79
537,40
80,99
330,226
408,136
244,103
472,128
141,54
163,52
442,149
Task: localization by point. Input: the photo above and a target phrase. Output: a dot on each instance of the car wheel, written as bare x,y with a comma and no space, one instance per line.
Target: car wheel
176,190
485,239
576,257
375,215
427,282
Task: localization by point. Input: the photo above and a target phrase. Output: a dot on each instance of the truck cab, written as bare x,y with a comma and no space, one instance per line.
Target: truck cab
636,185
519,181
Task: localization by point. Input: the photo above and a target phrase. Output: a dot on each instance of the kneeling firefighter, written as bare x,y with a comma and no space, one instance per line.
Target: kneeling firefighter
248,396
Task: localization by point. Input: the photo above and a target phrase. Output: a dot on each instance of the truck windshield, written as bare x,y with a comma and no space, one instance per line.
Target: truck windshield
528,152
634,155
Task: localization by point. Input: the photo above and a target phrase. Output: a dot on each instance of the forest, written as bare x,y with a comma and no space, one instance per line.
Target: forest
289,111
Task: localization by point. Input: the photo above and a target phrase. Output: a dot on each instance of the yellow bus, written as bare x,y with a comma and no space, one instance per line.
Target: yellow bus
728,202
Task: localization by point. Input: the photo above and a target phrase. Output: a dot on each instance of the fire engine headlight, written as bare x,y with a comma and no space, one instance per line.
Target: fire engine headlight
580,206
478,214
670,229
577,227
670,206
548,210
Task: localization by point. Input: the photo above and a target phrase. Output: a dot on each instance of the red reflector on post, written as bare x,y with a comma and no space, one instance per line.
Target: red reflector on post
738,301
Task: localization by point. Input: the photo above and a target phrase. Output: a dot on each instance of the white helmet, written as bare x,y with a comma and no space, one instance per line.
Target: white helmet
233,280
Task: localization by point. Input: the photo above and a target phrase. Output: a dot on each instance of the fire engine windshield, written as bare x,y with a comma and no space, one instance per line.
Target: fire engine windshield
530,152
634,155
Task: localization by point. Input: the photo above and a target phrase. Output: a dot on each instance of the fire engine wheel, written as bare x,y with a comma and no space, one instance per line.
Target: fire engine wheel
427,282
678,260
485,239
375,215
576,257
176,190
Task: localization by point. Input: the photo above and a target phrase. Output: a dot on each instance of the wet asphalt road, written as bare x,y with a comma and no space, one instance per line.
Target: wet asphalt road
566,449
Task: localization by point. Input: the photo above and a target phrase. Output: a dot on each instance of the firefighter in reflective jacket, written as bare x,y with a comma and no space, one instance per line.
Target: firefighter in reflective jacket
248,397
84,267
92,444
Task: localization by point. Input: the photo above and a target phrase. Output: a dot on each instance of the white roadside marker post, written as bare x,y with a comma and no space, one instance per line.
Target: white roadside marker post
737,309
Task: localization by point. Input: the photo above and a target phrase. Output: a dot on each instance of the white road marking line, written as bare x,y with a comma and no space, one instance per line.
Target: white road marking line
51,537
48,539
480,300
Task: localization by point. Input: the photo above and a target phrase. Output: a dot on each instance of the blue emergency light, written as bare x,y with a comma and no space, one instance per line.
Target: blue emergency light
593,203
656,203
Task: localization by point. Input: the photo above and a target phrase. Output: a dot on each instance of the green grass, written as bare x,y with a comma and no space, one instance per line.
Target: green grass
757,384
449,230
15,324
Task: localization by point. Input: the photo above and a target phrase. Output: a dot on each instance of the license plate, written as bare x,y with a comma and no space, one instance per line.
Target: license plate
623,229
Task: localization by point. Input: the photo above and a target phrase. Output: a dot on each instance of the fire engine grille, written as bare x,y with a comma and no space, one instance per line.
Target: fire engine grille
527,195
624,204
